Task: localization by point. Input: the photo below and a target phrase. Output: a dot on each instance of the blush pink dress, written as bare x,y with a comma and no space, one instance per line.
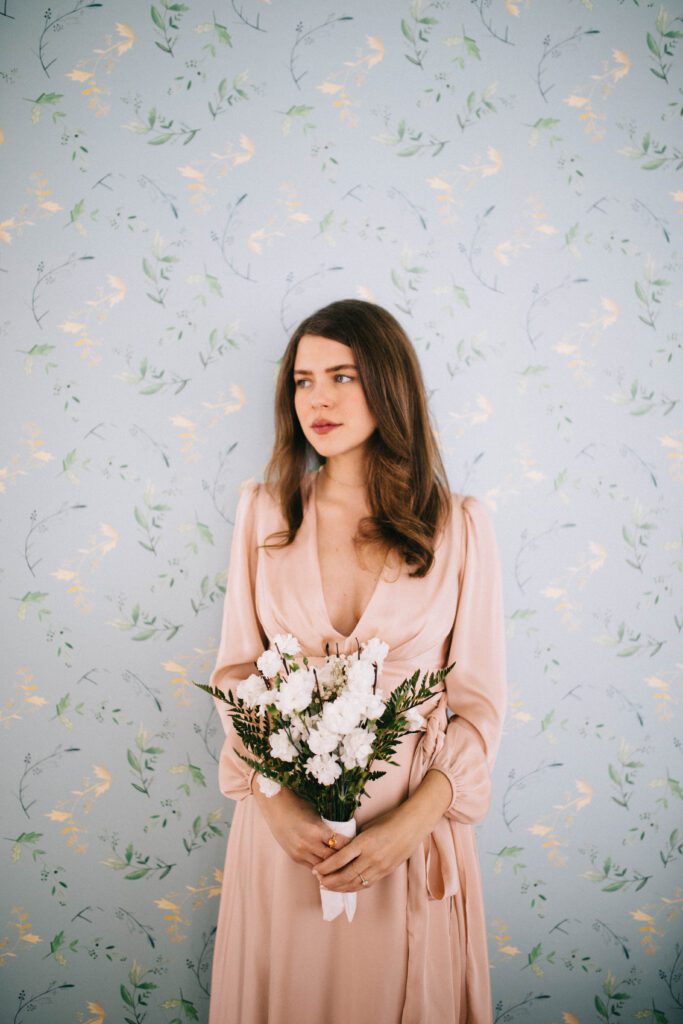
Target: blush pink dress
416,950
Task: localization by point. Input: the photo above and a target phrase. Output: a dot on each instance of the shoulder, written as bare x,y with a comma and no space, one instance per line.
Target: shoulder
473,520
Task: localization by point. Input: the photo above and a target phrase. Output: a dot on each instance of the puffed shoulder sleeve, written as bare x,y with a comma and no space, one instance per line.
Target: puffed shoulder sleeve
477,684
242,640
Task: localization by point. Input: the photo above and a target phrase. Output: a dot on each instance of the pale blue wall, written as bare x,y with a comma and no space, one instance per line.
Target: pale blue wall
167,218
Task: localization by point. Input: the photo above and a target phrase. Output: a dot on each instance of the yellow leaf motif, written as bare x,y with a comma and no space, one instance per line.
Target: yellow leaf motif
509,950
50,206
2,136
31,938
71,327
79,76
623,59
540,830
104,774
164,904
576,101
58,815
640,915
113,536
64,574
128,35
191,172
248,151
378,46
495,165
439,183
587,792
173,666
5,235
330,87
570,1018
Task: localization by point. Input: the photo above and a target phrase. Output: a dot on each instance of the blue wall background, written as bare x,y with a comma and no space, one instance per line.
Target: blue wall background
183,182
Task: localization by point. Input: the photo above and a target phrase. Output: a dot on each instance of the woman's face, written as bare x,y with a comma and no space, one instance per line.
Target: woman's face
327,386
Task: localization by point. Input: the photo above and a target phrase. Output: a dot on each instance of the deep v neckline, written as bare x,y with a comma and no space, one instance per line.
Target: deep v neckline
313,511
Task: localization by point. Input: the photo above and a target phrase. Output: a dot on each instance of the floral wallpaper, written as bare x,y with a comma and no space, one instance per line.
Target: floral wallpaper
182,183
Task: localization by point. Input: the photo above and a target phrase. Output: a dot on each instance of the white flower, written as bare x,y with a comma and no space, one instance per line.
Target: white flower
414,719
268,786
324,768
332,675
373,707
250,690
321,740
296,693
282,746
357,748
343,714
360,676
270,663
374,650
287,644
297,728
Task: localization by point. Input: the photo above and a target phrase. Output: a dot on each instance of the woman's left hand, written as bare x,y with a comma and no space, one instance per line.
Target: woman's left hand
384,843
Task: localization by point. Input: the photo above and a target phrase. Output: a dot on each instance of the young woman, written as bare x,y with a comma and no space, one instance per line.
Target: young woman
370,542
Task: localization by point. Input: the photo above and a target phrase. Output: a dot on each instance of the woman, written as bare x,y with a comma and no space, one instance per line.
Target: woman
370,543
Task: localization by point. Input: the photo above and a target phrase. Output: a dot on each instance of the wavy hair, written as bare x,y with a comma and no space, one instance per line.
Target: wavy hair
407,484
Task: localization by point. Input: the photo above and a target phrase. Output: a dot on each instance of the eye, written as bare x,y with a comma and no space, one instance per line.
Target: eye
304,380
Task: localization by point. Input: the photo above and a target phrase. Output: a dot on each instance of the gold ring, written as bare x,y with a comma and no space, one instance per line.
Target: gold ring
363,881
332,841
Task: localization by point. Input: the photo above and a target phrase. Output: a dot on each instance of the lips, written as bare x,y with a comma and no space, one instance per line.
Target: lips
325,423
325,428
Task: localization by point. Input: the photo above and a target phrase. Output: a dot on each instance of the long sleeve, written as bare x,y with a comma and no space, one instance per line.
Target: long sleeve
477,684
242,641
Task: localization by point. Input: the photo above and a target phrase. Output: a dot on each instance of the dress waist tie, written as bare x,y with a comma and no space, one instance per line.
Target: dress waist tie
432,868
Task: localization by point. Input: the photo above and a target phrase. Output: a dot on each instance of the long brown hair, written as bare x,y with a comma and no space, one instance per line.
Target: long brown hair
407,485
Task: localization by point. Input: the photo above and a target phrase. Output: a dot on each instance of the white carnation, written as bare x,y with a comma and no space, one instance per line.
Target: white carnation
325,768
357,748
360,676
321,740
296,693
374,650
251,689
270,663
268,786
287,644
374,705
297,728
415,720
343,714
281,746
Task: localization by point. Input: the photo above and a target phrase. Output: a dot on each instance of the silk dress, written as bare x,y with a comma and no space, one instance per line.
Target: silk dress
416,949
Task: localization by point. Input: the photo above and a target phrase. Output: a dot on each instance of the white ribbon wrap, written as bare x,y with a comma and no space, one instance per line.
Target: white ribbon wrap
335,902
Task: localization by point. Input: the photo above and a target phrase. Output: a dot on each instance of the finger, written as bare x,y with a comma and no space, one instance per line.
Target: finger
339,859
346,880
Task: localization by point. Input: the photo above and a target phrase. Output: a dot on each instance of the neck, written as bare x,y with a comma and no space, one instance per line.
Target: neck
351,482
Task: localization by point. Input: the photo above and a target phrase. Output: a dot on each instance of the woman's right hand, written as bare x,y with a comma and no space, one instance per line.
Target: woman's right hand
297,826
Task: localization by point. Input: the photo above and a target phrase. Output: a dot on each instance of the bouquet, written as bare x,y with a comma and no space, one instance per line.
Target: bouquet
318,730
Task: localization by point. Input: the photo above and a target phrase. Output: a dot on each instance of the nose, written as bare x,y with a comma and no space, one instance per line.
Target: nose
320,395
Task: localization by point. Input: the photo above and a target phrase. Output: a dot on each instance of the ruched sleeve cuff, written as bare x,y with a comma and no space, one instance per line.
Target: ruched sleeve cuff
242,641
477,684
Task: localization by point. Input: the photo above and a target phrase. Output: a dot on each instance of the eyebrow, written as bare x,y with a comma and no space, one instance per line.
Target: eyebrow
330,369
